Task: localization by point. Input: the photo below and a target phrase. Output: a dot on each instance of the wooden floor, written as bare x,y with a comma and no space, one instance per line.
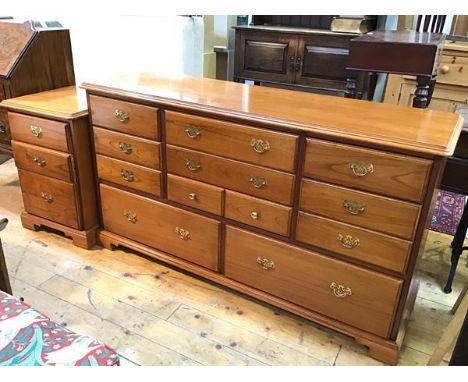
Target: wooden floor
155,315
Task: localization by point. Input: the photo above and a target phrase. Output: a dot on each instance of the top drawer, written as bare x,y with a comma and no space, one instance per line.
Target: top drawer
127,117
388,174
231,140
38,131
453,70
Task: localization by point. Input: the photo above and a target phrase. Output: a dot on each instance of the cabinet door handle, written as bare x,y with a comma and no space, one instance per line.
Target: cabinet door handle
193,165
182,233
361,168
36,130
297,66
348,241
41,162
260,146
121,115
340,291
192,132
265,263
292,63
257,182
127,175
131,216
354,208
126,147
47,197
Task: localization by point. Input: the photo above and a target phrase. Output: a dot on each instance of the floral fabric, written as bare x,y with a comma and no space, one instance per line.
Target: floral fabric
29,338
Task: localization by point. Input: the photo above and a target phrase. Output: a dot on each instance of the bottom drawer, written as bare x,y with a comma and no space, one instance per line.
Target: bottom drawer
169,229
359,297
49,198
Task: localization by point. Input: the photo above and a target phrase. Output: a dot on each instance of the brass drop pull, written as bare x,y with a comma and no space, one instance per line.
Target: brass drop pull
193,165
257,182
192,132
47,197
127,175
265,263
36,130
340,291
121,115
348,241
255,215
260,146
131,216
361,168
41,162
182,233
192,196
2,129
125,147
354,208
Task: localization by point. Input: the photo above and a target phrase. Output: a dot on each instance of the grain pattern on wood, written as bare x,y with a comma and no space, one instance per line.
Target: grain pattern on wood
14,38
369,170
313,281
367,210
271,184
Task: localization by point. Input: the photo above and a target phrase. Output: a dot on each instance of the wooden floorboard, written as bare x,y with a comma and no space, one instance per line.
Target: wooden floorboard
155,315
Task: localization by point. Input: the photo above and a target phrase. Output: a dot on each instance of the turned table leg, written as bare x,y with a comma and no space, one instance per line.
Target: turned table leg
421,96
351,86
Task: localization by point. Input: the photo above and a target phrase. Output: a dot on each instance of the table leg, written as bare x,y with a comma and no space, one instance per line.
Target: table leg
421,96
351,86
372,86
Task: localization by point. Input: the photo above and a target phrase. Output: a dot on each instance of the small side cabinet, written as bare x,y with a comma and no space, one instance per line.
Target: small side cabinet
51,147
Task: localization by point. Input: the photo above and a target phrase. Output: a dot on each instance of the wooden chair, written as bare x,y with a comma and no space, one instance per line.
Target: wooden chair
4,279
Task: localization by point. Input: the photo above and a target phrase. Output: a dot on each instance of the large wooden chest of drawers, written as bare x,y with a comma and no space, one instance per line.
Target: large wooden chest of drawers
315,204
51,147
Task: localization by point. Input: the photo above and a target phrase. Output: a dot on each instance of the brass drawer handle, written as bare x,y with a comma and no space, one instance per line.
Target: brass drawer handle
127,175
121,115
192,196
41,162
361,168
260,146
340,291
192,132
47,197
193,165
36,130
182,233
2,129
265,263
354,208
131,216
255,215
125,147
257,182
348,241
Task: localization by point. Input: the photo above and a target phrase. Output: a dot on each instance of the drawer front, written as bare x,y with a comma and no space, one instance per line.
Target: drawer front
388,174
258,146
183,234
195,194
127,117
358,243
43,161
379,213
453,71
38,131
249,179
126,147
129,175
49,198
258,213
347,293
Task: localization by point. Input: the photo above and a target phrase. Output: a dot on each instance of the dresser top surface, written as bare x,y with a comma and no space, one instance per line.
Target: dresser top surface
63,103
363,122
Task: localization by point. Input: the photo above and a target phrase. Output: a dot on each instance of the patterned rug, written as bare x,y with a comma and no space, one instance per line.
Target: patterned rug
447,212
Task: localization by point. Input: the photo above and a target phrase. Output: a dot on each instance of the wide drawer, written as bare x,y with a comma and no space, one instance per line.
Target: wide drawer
249,179
195,194
370,170
357,243
129,175
258,213
258,146
127,117
49,198
360,208
43,161
172,230
359,297
127,147
38,131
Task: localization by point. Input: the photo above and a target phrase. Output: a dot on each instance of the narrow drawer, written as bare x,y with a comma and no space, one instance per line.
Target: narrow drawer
357,243
258,213
258,146
358,208
195,194
249,179
129,175
370,170
43,161
452,71
127,117
39,131
49,198
183,234
127,147
359,297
